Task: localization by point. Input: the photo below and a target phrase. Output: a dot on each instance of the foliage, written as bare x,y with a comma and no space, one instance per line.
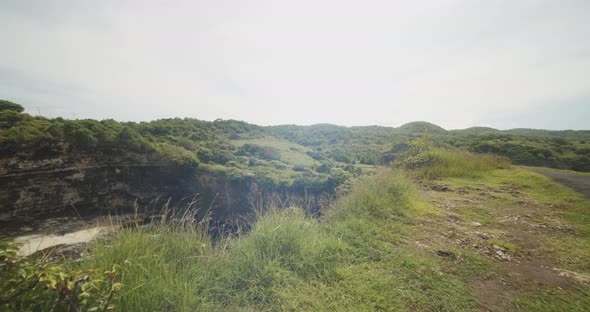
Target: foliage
10,106
421,153
286,261
261,152
30,284
429,162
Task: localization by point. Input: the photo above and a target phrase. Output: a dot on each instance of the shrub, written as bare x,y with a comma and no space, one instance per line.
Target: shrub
324,168
79,136
177,155
29,284
130,138
10,106
262,152
421,153
11,118
298,168
447,163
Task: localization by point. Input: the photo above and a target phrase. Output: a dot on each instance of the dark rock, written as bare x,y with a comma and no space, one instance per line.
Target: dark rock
439,188
445,253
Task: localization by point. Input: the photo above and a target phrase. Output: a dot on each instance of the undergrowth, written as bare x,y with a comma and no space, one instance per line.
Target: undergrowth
460,164
353,258
429,162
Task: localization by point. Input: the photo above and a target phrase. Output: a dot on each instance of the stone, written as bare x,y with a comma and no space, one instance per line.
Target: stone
445,253
482,235
439,188
496,247
500,255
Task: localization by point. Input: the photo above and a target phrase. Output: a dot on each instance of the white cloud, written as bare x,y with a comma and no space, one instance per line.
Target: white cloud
455,63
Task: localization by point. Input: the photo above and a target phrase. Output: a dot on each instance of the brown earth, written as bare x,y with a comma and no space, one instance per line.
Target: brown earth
509,230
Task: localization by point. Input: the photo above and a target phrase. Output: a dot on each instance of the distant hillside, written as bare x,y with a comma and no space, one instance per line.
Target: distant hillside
421,126
239,147
476,130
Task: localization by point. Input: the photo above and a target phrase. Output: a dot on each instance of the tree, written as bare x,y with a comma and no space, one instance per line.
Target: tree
9,106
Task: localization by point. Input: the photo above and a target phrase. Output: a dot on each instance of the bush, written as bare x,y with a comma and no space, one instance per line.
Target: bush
459,164
29,284
10,106
177,155
262,152
130,138
420,154
11,118
79,136
298,168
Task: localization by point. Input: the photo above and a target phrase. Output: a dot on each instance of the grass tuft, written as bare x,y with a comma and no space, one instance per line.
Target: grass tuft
460,164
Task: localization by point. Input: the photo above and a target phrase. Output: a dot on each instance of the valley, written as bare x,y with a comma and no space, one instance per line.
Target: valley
187,215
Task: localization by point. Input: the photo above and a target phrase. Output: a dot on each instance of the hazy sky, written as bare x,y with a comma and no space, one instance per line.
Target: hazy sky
505,64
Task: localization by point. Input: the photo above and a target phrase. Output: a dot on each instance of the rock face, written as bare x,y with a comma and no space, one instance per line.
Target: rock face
98,184
111,188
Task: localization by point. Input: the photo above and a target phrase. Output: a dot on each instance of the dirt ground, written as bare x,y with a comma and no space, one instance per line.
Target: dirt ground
509,230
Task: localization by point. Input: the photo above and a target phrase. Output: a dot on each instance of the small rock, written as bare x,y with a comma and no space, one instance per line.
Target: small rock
496,247
445,253
482,235
439,188
476,224
500,255
420,245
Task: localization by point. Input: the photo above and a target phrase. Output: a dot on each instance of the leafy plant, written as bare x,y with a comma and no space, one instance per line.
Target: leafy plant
31,284
10,106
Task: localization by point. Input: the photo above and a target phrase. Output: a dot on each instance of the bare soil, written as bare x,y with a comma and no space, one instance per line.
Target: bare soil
477,219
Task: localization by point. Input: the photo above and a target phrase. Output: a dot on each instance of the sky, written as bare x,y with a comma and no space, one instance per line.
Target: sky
455,63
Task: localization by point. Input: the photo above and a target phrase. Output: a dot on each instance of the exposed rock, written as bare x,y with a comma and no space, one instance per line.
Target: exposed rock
582,278
502,256
482,235
100,184
439,188
496,247
445,253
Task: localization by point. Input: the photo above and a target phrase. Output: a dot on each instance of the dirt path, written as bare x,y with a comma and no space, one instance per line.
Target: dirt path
579,182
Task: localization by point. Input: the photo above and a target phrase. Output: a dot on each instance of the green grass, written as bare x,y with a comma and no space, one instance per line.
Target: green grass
553,300
290,153
460,164
354,258
502,243
557,170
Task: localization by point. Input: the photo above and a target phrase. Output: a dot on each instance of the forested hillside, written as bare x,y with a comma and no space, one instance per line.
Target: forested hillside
281,155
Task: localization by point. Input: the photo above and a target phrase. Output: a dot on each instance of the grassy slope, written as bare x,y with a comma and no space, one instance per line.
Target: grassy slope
355,259
290,153
377,248
557,170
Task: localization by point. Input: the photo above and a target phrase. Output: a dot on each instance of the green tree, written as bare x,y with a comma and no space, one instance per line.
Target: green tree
10,106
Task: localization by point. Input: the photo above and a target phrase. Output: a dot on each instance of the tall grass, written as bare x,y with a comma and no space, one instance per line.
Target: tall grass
350,259
177,266
460,164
